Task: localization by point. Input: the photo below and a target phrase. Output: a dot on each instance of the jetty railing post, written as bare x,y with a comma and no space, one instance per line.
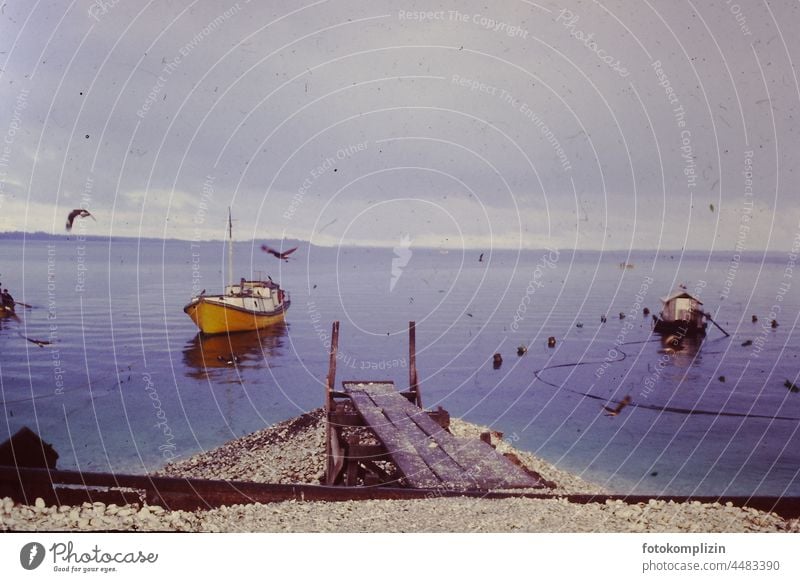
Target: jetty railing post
412,363
331,436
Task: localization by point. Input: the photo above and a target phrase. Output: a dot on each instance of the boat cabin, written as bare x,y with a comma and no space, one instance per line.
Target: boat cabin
682,313
252,289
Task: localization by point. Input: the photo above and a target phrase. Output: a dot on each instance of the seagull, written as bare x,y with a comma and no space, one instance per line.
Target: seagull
78,212
40,343
230,360
622,404
281,255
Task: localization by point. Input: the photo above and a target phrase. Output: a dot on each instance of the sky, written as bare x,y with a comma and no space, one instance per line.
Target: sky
516,124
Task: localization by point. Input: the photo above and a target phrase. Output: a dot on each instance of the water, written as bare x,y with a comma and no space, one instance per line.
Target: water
128,384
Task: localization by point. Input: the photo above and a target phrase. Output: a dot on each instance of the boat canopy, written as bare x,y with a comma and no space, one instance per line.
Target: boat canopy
681,294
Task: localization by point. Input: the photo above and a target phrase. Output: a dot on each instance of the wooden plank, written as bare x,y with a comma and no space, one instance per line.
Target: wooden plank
400,413
488,467
401,450
382,387
503,474
459,463
479,463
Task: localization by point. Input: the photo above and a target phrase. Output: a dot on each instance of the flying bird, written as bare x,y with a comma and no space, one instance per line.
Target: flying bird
281,255
615,411
40,343
78,212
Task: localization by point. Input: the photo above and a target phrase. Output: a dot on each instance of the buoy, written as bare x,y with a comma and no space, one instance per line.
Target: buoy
521,350
497,361
755,318
721,378
551,342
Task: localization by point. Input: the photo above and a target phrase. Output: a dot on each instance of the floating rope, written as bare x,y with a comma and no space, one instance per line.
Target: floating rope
673,409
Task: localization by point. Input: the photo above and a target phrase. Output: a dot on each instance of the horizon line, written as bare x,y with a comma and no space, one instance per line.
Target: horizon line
40,235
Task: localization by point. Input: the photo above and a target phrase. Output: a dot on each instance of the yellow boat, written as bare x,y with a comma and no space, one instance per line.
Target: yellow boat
244,306
247,306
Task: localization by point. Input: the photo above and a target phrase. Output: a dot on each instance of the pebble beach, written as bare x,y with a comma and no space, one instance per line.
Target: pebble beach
293,452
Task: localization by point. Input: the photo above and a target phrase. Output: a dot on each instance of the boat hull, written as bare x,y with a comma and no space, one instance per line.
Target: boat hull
212,317
682,328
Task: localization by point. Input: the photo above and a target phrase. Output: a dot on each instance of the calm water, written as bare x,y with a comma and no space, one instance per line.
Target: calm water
128,383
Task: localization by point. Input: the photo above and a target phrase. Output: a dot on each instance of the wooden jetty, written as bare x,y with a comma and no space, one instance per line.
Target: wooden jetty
376,435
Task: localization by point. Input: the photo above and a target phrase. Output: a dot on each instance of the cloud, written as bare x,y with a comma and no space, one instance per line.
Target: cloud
508,117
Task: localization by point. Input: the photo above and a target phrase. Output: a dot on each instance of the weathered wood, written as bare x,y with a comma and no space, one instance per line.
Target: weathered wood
486,466
396,442
440,416
331,378
494,470
366,452
458,463
345,419
401,414
334,452
413,380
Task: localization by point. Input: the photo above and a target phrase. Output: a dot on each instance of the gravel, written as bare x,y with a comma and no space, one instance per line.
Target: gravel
292,452
423,515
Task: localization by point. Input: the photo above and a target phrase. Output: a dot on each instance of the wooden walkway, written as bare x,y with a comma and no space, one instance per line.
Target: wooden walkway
422,450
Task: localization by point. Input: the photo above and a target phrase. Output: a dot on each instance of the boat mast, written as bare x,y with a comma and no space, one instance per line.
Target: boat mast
230,248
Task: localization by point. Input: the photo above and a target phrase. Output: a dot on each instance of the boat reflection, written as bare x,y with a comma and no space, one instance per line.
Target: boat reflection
682,351
7,315
205,353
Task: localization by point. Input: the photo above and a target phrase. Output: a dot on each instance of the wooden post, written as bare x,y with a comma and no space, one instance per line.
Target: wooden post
413,381
332,449
330,380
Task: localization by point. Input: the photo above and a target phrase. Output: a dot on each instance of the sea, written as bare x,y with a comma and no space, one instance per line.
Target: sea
107,368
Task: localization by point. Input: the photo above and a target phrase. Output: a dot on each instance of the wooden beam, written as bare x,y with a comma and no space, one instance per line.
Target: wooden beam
413,380
190,494
396,442
334,455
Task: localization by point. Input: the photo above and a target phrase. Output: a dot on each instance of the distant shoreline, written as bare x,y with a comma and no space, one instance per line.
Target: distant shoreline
44,236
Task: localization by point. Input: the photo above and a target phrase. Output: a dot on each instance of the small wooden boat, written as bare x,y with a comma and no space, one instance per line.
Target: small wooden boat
681,315
243,306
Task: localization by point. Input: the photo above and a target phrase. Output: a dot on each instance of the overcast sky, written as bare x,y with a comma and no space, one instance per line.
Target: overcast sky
508,124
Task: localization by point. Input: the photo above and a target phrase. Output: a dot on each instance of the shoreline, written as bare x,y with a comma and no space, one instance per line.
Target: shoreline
292,451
